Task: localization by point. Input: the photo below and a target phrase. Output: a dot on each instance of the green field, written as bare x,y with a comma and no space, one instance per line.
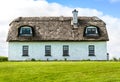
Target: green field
60,71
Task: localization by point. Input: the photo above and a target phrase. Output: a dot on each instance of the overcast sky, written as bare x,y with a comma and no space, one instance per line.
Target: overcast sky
107,10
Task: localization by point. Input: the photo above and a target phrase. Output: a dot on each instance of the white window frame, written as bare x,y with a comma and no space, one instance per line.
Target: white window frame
25,27
65,50
90,27
25,50
91,50
47,50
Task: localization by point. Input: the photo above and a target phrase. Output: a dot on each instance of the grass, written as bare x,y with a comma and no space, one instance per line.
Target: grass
60,71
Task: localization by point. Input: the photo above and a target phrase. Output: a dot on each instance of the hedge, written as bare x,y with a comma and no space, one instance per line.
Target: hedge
2,58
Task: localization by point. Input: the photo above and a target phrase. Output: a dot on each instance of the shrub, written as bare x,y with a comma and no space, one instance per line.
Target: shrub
2,58
86,60
47,59
115,59
55,59
32,59
65,59
39,60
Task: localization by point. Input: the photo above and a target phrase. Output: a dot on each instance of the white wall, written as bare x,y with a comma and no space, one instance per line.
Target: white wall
77,50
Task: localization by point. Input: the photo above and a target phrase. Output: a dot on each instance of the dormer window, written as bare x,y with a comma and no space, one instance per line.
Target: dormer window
25,31
91,31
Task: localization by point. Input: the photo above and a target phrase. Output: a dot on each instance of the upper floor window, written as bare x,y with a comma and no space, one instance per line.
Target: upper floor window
25,31
91,31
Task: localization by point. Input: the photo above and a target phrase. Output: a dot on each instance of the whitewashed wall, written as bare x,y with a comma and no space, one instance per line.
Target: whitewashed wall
77,50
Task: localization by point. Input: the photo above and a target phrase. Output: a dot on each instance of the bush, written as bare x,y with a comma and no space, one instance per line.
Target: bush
2,58
65,59
55,59
86,60
32,59
115,59
47,59
39,60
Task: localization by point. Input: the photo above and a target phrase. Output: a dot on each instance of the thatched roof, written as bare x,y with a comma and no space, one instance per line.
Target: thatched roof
56,29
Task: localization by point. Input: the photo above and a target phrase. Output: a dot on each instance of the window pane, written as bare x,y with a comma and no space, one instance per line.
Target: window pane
47,50
91,30
25,50
88,29
25,30
65,50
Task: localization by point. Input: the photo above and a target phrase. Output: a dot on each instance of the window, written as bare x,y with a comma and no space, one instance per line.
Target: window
91,50
91,31
25,31
65,50
25,50
48,50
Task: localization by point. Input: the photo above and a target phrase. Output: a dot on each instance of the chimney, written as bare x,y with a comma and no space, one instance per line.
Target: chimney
75,18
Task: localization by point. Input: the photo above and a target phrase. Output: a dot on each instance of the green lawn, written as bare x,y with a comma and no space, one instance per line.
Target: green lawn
60,71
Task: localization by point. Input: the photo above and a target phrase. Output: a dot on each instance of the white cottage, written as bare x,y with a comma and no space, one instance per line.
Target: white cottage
57,38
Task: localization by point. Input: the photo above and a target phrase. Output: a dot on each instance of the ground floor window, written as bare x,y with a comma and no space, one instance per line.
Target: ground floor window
25,50
91,49
65,50
47,50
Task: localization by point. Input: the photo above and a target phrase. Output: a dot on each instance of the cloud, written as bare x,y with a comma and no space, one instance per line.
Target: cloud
113,30
11,9
113,1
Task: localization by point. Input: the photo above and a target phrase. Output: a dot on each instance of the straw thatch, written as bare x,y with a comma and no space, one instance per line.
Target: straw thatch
56,29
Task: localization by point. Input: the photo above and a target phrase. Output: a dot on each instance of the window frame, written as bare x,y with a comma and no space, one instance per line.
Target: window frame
91,31
22,31
25,50
91,50
65,50
47,50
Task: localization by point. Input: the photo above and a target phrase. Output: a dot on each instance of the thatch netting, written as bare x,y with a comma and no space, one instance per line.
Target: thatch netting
56,29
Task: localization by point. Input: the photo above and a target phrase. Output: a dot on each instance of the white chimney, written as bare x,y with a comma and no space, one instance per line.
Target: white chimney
75,18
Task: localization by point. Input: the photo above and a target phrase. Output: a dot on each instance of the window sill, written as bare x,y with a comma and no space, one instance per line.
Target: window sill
27,35
25,55
91,55
48,55
66,55
92,35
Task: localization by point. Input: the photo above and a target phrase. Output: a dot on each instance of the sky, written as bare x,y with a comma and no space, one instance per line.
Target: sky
110,7
107,10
